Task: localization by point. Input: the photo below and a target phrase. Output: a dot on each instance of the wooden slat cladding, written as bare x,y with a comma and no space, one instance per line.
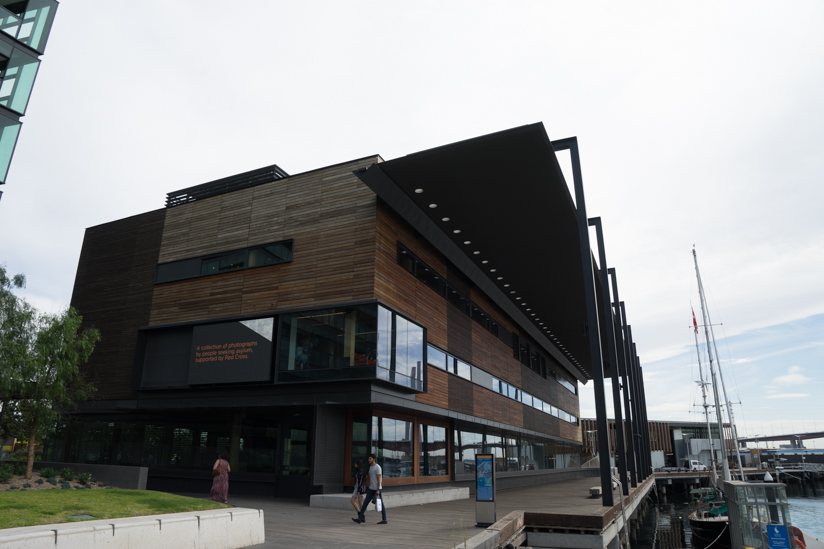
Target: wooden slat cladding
330,215
459,333
399,289
460,396
113,292
454,331
437,391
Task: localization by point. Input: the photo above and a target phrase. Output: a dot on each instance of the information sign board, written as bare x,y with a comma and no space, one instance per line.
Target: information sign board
777,534
484,477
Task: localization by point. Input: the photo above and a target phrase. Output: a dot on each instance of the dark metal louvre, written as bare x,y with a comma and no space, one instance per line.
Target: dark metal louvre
225,185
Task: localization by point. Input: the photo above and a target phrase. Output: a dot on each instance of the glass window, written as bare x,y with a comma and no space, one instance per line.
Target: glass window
408,353
17,74
296,450
537,404
462,369
512,392
271,254
467,444
526,398
406,260
494,445
504,388
223,263
457,298
384,345
436,357
512,463
331,344
479,316
430,278
360,441
496,384
392,444
433,451
8,139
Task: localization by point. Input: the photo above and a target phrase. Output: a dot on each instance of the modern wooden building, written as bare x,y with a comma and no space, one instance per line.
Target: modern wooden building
423,308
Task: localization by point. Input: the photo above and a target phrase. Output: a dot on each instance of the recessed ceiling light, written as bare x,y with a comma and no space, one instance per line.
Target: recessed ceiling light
532,314
456,231
433,205
467,242
476,252
517,298
445,219
506,285
512,291
528,309
418,191
484,261
500,278
492,270
541,323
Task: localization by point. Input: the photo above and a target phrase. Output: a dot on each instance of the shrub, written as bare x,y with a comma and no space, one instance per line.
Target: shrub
65,486
47,472
19,468
13,487
39,481
27,485
5,475
83,478
67,474
52,481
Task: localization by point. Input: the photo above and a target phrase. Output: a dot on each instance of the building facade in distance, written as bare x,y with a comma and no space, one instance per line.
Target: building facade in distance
423,309
25,27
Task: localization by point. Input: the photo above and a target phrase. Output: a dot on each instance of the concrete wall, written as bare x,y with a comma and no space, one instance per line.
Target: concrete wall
215,529
658,459
119,476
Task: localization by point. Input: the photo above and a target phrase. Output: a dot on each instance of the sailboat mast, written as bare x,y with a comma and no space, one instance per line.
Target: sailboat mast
704,395
724,464
729,407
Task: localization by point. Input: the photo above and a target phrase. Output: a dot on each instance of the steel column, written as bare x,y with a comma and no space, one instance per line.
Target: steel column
609,324
632,469
593,327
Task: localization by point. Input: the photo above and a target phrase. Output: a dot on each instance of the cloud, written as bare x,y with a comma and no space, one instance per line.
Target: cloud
788,395
793,377
742,360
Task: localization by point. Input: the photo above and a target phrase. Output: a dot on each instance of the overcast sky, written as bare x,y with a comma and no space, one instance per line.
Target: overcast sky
698,123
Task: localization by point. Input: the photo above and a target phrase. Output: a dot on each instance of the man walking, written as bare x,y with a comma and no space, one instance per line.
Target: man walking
375,474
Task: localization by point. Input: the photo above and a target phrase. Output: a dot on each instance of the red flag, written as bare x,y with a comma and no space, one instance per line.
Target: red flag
694,322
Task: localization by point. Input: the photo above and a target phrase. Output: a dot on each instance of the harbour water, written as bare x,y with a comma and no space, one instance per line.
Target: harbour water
667,526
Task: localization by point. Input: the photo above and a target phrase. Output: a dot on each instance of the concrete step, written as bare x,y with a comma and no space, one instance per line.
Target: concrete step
392,499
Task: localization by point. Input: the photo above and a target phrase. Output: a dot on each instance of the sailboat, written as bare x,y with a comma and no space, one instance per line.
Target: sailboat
709,522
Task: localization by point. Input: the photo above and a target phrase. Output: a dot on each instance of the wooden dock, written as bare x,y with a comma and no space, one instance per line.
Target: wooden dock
561,507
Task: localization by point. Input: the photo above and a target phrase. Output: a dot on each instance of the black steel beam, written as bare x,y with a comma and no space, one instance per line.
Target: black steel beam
620,334
593,331
609,325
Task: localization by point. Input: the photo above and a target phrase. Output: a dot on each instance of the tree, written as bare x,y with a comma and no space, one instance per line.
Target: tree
41,364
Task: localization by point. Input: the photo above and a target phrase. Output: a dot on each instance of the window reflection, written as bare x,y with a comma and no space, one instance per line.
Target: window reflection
467,444
433,451
392,444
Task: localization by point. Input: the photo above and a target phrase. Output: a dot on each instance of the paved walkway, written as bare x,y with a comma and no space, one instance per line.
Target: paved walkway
293,524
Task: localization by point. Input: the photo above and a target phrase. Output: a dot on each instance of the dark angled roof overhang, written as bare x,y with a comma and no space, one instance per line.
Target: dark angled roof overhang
506,195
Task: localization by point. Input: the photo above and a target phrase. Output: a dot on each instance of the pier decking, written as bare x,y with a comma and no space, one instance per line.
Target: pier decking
560,508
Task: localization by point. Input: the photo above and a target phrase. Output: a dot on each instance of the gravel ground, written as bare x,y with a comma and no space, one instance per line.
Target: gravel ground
17,484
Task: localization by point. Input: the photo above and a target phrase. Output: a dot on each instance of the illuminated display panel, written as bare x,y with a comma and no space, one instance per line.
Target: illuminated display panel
232,352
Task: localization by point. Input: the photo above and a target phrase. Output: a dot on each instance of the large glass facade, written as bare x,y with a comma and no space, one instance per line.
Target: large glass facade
392,440
186,441
29,21
362,342
512,453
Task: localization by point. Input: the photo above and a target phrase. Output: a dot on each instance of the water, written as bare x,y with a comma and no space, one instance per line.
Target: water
808,514
668,523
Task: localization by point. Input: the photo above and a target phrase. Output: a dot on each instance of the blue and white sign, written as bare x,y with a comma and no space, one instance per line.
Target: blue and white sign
777,534
485,487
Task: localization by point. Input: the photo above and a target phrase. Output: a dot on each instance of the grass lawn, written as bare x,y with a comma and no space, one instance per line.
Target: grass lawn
53,506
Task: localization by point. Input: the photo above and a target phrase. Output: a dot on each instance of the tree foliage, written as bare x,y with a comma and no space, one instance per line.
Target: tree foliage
40,358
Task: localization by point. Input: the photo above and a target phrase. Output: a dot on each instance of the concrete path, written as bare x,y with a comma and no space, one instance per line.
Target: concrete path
293,524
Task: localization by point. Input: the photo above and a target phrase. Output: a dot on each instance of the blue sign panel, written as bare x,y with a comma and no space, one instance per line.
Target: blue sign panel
777,534
485,490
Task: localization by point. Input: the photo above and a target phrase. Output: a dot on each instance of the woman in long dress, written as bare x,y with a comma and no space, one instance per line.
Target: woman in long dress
220,483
